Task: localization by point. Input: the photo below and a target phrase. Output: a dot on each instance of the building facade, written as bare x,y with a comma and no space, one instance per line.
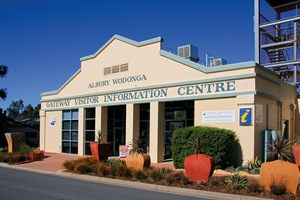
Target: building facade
130,88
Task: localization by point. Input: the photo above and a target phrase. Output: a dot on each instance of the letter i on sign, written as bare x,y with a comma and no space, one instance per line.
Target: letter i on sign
245,116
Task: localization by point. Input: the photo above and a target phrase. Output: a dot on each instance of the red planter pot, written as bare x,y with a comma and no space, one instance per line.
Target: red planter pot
296,152
100,151
36,155
199,167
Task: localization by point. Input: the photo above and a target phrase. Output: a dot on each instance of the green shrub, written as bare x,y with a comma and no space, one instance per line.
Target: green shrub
253,163
17,157
215,142
115,162
254,171
3,149
230,169
241,169
281,148
25,148
12,158
236,181
158,174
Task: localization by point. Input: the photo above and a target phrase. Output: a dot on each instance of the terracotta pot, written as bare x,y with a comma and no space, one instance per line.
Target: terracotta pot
280,172
36,155
100,151
296,152
138,161
32,156
199,167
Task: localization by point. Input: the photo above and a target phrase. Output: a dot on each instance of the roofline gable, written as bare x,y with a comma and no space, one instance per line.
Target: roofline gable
123,39
167,55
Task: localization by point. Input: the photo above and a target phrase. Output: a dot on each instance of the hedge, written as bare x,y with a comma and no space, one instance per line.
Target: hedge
215,142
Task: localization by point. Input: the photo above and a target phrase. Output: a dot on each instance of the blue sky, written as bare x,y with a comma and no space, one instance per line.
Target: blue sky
42,41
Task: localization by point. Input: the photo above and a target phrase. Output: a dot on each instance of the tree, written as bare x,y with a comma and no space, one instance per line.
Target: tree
36,112
3,72
28,112
15,110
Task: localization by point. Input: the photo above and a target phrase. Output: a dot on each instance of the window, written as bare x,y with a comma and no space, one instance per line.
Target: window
70,131
123,67
89,131
116,69
107,70
178,114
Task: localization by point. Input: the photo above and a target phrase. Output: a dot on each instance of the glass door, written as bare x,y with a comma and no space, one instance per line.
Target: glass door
116,127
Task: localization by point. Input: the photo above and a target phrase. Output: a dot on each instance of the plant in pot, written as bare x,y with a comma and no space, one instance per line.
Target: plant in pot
296,150
282,170
100,149
36,154
138,159
198,167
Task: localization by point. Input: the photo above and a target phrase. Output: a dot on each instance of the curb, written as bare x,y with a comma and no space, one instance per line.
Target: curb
143,186
4,165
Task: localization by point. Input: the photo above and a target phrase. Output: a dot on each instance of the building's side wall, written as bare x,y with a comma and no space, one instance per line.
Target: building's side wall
288,95
267,114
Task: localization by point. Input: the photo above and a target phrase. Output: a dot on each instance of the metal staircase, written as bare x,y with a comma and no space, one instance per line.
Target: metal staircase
276,55
277,36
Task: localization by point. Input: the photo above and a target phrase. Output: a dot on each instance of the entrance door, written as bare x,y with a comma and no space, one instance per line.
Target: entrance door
178,114
116,127
119,139
144,122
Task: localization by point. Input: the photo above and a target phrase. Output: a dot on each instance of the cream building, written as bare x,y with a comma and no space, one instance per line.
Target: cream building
129,88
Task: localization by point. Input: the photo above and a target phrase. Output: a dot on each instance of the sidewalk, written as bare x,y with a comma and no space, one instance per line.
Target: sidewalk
52,162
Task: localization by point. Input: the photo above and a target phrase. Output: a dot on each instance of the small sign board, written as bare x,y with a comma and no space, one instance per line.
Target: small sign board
123,151
218,116
52,120
245,116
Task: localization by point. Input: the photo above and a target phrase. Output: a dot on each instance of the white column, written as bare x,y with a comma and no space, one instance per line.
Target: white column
132,122
42,130
157,116
81,122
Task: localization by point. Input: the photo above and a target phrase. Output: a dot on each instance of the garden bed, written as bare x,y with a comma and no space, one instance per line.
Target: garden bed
222,181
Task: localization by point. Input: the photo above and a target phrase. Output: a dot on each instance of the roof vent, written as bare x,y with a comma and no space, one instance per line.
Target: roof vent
189,52
218,62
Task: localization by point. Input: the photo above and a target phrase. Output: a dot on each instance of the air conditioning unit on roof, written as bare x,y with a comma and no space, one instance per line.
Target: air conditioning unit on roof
188,52
218,62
